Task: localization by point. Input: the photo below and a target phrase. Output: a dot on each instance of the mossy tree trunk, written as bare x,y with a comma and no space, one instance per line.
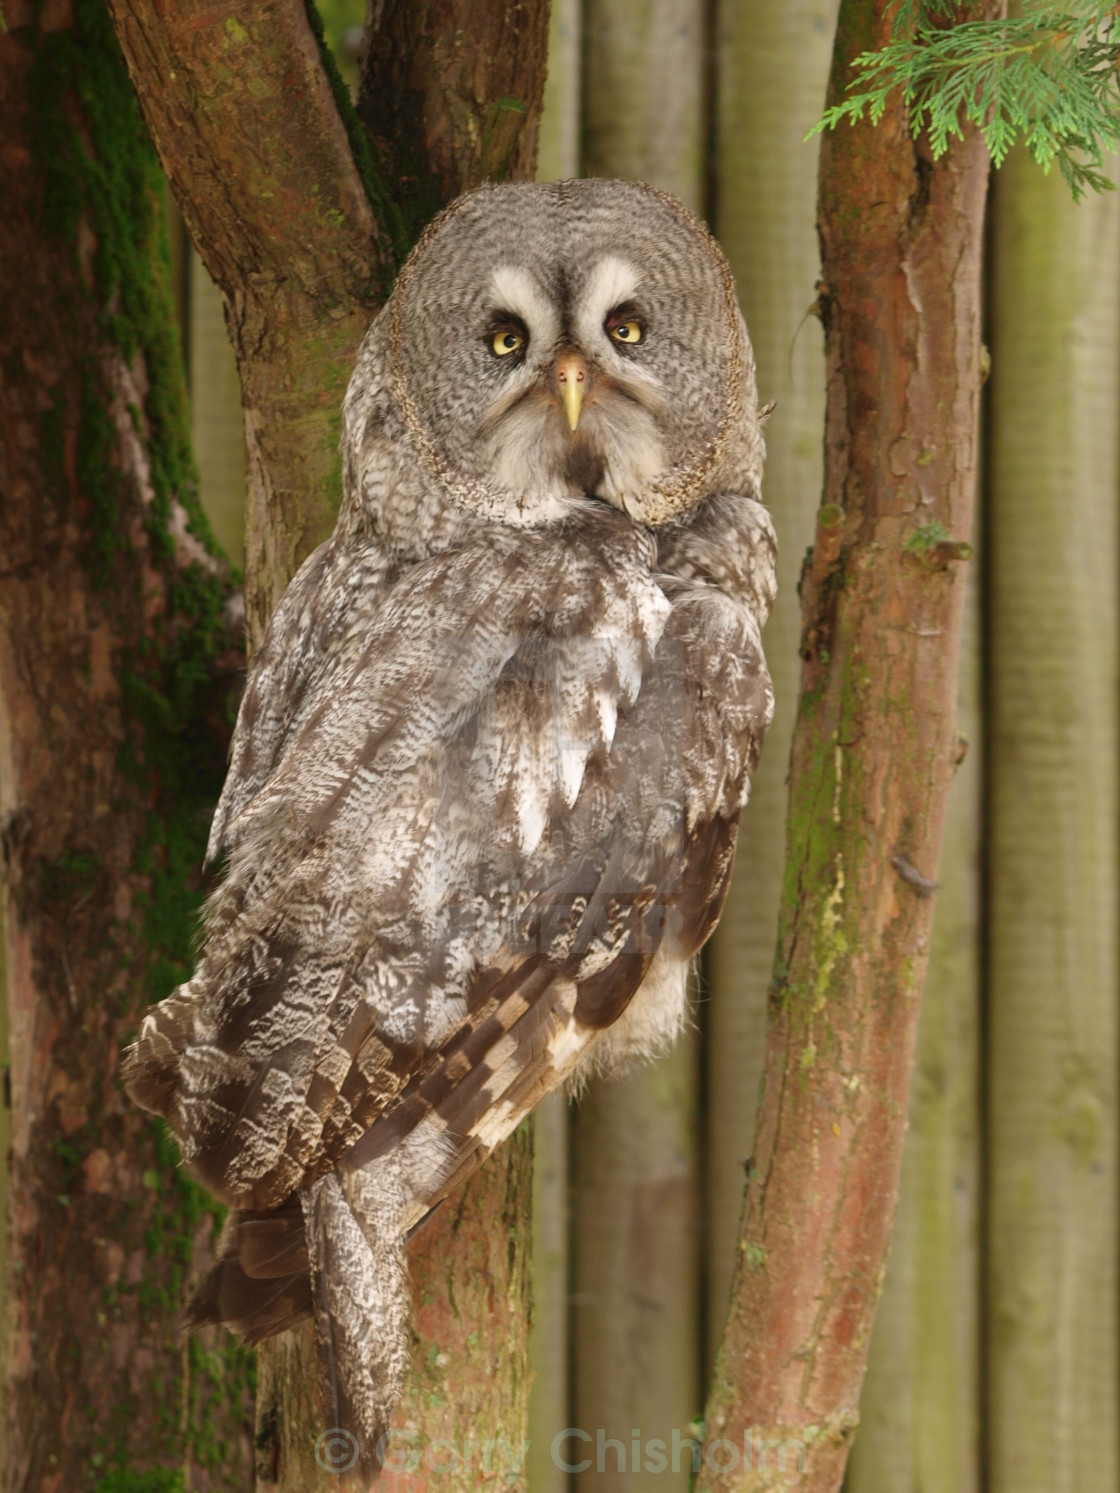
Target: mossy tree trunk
873,756
243,115
118,655
302,224
772,71
1052,859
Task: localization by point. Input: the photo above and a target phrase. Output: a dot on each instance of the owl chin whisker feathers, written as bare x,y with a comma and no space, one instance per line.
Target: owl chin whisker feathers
419,936
511,402
615,449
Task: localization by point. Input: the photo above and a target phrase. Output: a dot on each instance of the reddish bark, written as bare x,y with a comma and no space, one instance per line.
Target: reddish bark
112,638
872,762
451,94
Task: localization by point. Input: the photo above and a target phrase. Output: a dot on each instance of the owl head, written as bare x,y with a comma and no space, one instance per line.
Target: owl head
550,344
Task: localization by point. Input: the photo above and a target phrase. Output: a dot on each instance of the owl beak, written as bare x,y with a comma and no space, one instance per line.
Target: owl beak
570,375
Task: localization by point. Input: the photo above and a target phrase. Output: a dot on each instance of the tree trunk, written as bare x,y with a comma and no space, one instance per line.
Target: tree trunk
302,225
772,74
1055,475
920,1409
873,755
280,215
117,661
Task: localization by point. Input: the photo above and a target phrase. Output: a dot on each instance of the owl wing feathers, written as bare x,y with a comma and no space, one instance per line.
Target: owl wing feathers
307,640
453,857
476,837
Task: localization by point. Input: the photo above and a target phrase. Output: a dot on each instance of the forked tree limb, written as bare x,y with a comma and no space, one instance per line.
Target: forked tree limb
872,763
245,122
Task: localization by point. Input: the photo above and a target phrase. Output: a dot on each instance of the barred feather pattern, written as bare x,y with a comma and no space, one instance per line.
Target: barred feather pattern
480,816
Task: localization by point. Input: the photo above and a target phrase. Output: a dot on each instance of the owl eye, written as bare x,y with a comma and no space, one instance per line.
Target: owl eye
628,332
507,340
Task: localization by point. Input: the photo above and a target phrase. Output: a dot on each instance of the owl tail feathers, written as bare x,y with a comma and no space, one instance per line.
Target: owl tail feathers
359,1288
333,1253
261,1283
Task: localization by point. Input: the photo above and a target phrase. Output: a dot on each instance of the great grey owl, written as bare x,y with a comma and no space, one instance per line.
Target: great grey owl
487,774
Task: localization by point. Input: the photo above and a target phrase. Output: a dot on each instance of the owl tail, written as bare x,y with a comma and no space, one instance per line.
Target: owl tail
333,1253
359,1287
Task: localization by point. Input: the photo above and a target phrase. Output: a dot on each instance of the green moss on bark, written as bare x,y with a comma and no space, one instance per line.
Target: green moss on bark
102,198
103,193
385,208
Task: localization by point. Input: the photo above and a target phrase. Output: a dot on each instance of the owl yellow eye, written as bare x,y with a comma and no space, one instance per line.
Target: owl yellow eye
507,341
629,332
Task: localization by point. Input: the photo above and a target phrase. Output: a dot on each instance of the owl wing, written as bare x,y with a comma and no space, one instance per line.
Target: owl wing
648,850
522,787
305,642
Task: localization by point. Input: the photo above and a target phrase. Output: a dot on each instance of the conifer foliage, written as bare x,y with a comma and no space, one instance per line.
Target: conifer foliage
1049,77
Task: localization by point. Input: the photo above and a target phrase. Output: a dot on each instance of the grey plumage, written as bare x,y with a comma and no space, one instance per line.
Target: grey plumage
487,774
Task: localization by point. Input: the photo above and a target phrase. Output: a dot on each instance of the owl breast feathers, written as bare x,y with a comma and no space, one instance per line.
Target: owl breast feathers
487,774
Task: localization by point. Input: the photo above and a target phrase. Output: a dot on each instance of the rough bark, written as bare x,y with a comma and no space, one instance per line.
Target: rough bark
117,661
772,70
244,118
1052,857
463,1420
291,213
451,96
920,1412
873,756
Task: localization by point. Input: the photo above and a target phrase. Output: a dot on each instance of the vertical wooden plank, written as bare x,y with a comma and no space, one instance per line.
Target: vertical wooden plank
920,1409
549,1339
636,1185
1051,1236
635,1273
643,111
558,147
772,68
217,424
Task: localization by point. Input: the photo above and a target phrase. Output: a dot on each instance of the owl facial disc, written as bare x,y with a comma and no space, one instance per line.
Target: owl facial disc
574,341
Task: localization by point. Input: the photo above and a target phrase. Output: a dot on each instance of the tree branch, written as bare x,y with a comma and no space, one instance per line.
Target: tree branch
872,762
285,202
249,134
451,95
